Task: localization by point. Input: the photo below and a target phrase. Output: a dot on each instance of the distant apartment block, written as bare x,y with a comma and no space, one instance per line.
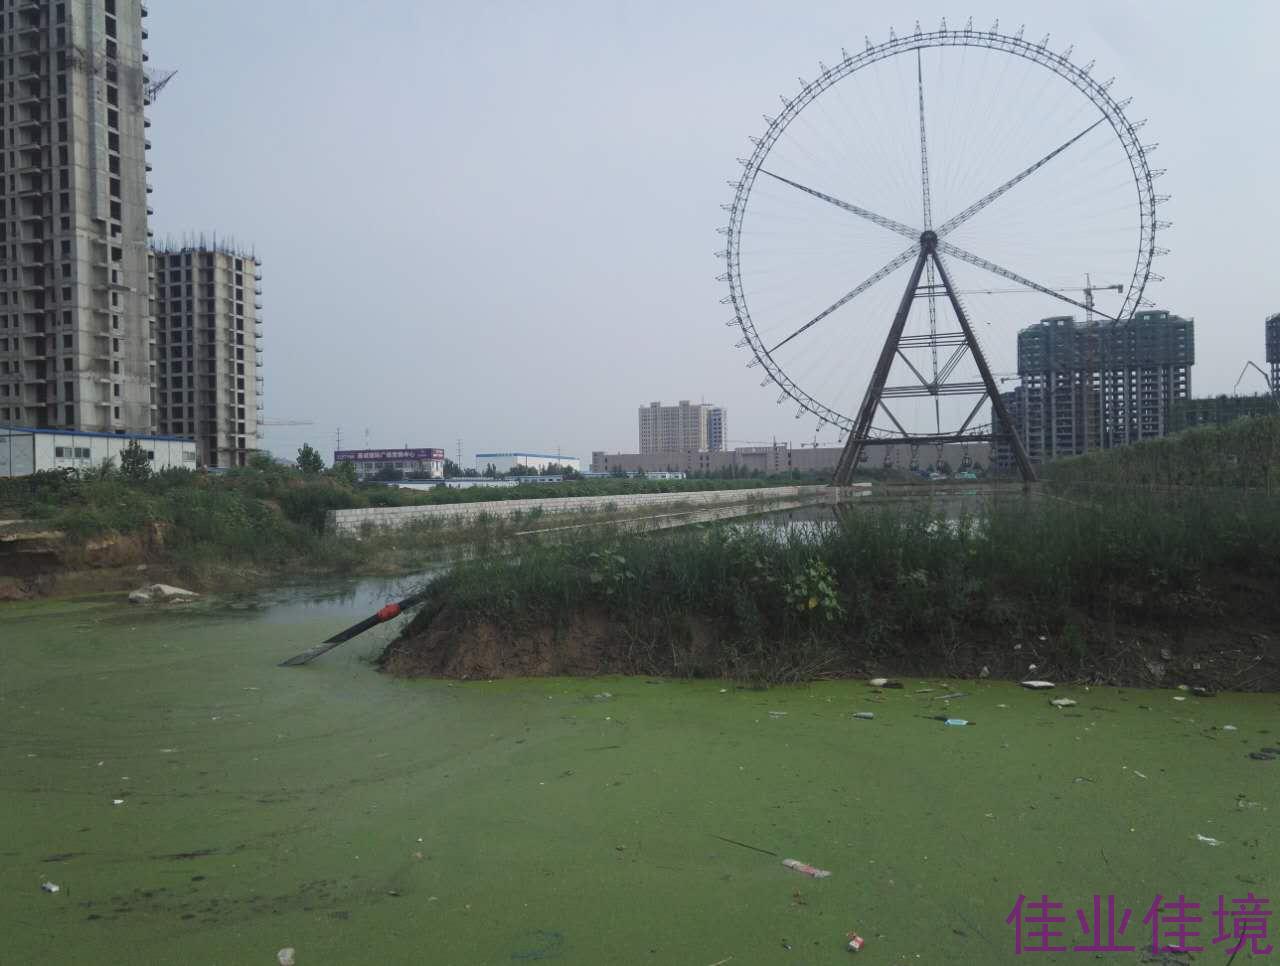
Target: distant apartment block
684,426
209,343
76,333
1096,385
1273,350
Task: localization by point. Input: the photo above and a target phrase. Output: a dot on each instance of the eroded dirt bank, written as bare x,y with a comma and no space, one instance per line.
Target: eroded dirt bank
1227,646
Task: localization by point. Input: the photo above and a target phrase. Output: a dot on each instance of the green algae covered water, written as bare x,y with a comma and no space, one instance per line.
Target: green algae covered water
359,819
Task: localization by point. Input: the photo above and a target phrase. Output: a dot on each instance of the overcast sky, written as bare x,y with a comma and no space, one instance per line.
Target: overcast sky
496,221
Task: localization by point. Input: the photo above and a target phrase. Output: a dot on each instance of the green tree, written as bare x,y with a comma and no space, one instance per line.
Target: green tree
491,471
261,461
135,464
345,471
388,474
451,468
309,460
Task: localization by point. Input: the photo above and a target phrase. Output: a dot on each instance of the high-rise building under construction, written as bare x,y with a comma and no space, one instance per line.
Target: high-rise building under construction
76,332
1096,385
207,311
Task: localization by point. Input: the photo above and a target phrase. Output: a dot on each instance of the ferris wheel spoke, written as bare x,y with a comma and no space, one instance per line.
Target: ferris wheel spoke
871,216
985,200
926,199
898,261
1000,270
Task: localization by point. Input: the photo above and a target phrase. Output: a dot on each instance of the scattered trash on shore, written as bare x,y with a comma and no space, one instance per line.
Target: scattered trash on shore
952,696
50,887
865,715
878,682
117,801
855,942
777,714
1037,685
1179,697
1206,839
985,672
806,868
286,956
953,722
1063,703
1139,774
1230,728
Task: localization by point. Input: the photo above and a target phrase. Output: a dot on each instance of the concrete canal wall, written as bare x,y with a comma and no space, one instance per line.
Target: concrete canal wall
460,514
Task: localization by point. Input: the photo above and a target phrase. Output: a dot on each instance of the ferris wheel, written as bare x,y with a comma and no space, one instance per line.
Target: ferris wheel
886,199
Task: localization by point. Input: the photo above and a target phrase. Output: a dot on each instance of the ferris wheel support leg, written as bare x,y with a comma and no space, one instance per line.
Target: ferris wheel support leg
862,427
997,401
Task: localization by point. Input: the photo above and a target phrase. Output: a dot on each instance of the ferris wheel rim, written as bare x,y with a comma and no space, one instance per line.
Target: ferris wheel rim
1098,93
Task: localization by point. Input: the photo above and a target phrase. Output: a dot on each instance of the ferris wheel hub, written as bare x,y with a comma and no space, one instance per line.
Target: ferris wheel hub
929,240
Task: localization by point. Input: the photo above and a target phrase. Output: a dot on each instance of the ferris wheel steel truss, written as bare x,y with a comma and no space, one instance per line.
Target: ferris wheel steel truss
928,243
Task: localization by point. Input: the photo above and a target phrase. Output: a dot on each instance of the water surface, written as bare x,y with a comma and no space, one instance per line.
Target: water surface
367,820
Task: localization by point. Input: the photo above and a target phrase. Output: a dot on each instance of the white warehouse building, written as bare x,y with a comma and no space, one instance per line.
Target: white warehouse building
503,462
26,451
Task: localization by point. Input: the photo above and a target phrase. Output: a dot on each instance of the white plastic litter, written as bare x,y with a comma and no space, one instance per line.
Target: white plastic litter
1037,685
50,887
1206,839
806,868
1063,703
286,956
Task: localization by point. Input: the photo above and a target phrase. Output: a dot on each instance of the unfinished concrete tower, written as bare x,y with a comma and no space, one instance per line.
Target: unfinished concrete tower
76,334
208,300
1088,386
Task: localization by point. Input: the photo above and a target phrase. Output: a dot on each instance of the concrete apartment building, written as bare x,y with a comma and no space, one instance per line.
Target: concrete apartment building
1087,386
209,343
76,333
684,426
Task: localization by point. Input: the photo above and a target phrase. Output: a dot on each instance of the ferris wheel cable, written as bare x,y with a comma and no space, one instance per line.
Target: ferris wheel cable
872,107
1011,128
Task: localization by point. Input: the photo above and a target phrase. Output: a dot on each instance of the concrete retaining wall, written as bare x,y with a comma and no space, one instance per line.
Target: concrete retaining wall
460,514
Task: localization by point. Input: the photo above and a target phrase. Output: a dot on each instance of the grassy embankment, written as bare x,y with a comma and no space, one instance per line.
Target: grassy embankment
1104,587
216,531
